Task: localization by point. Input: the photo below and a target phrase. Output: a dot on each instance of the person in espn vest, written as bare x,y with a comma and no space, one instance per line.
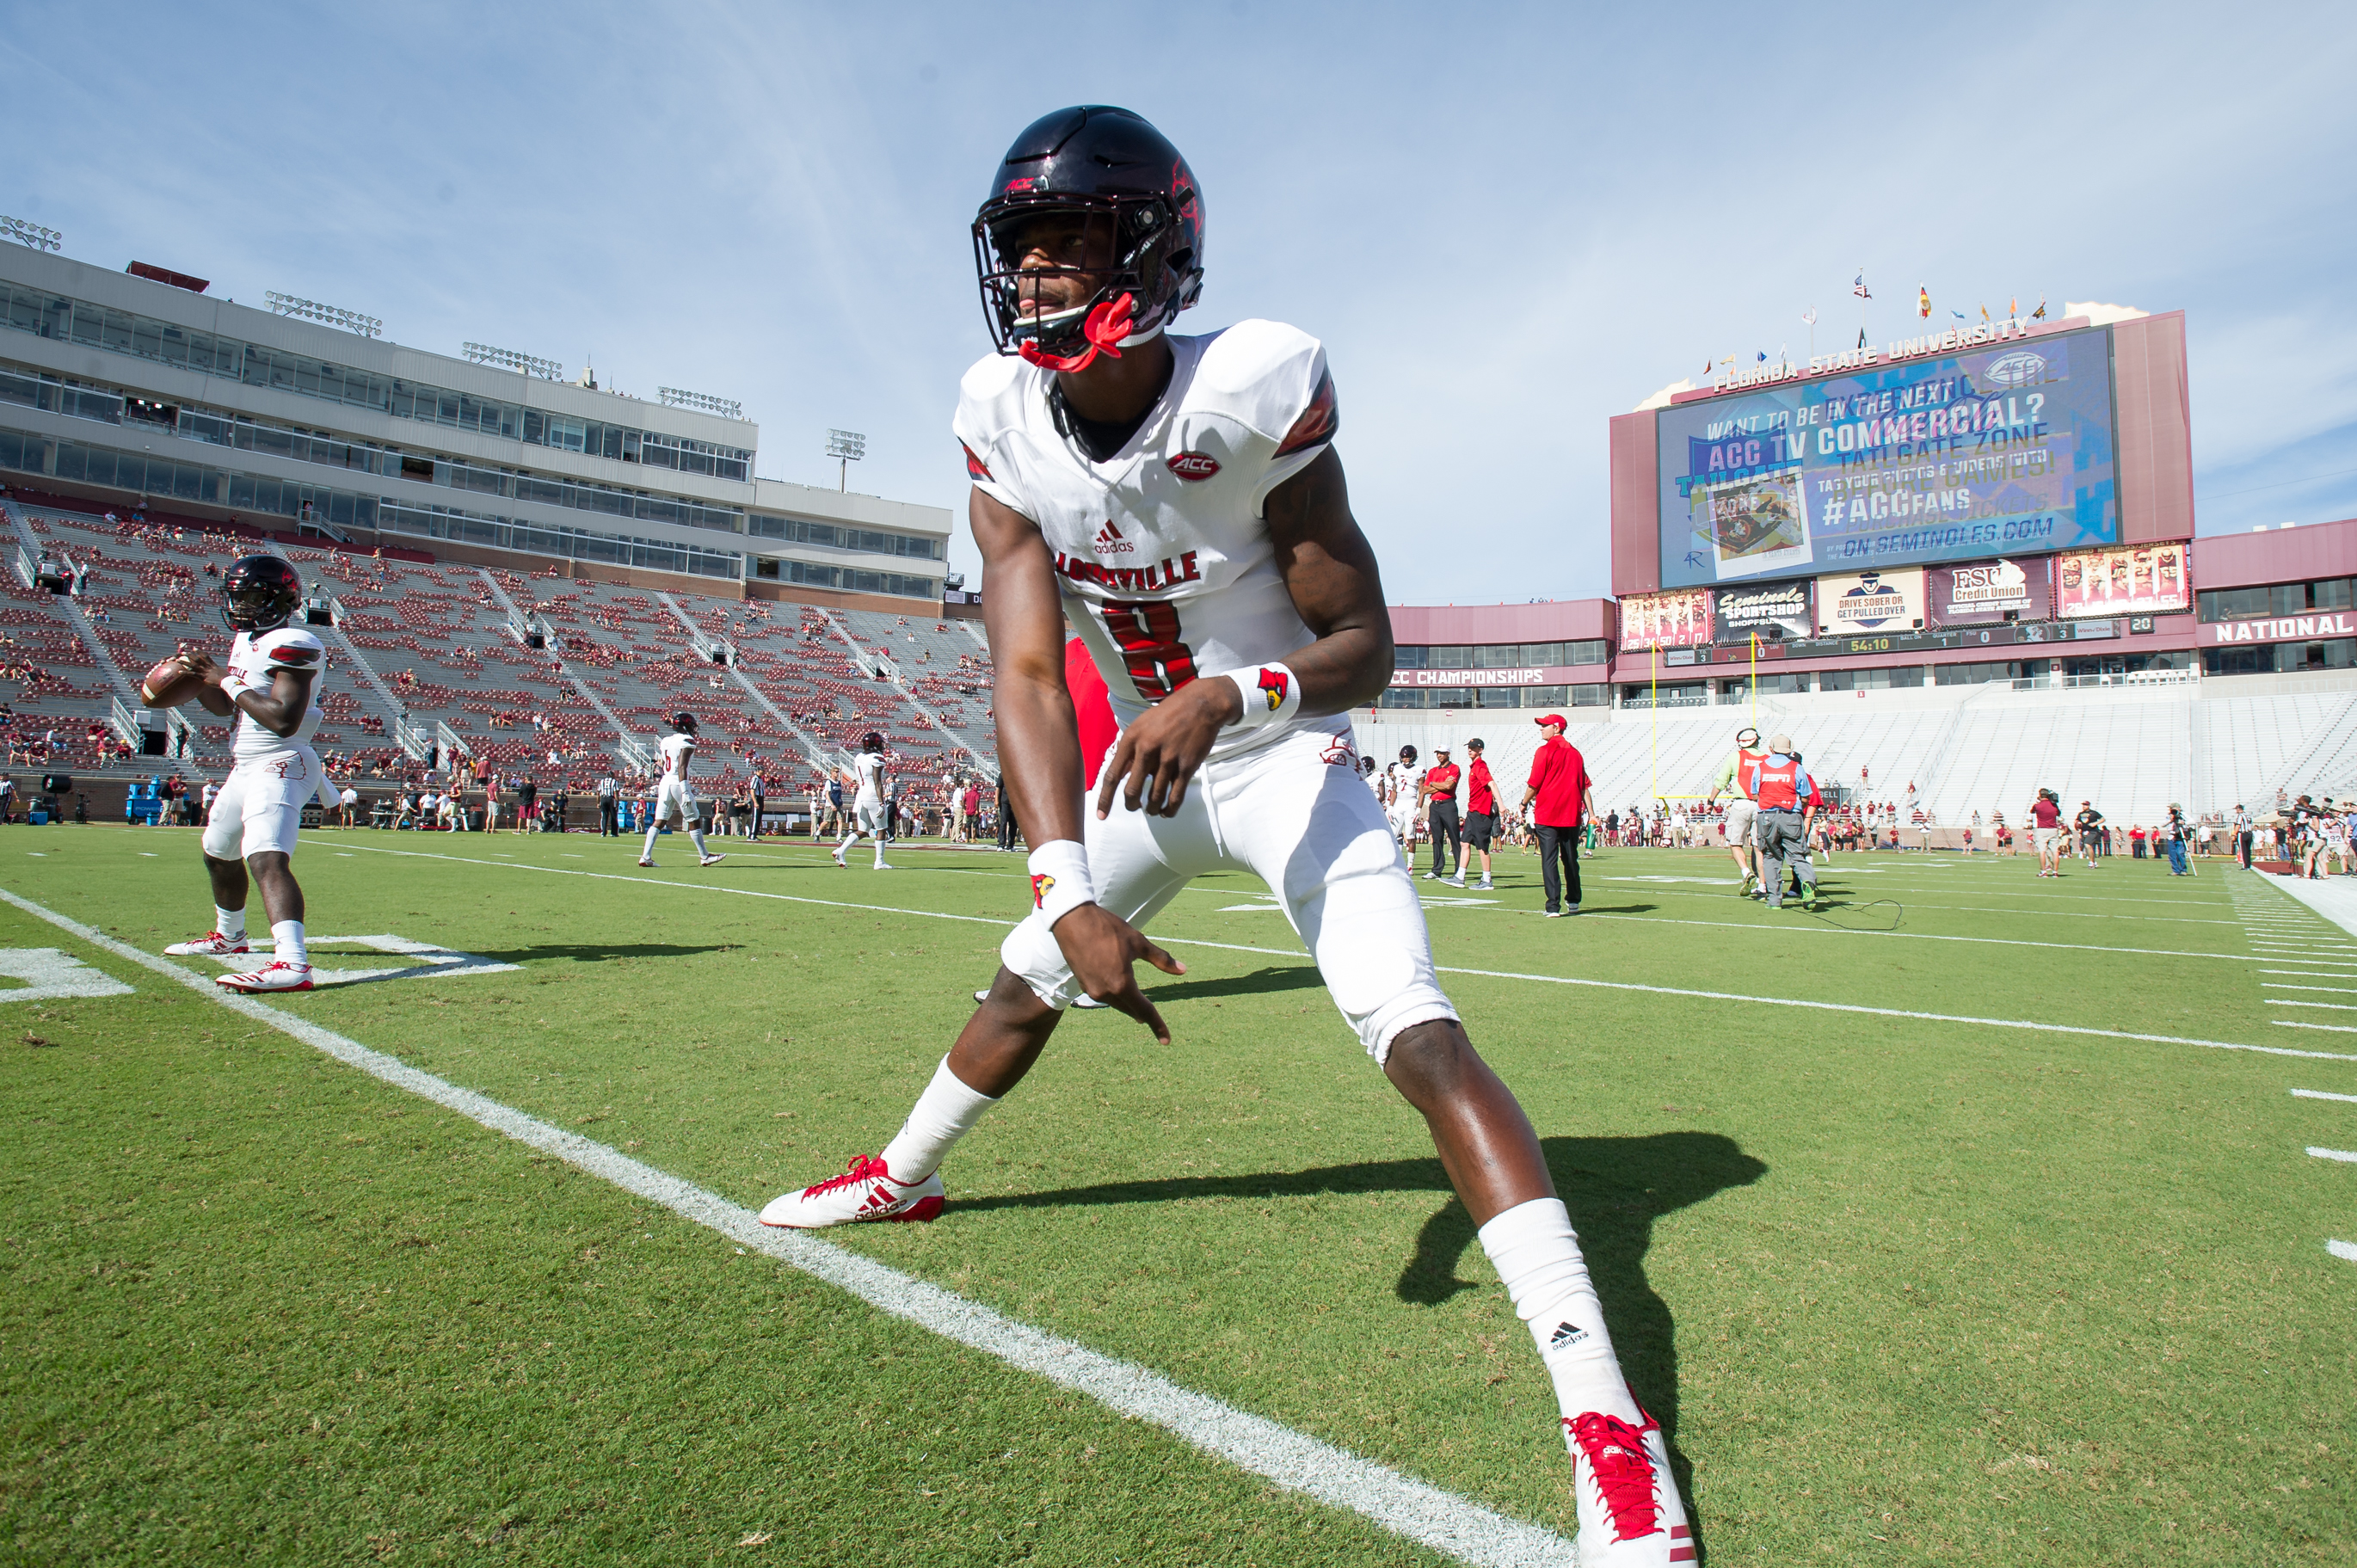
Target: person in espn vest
269,683
1742,812
1180,499
1786,797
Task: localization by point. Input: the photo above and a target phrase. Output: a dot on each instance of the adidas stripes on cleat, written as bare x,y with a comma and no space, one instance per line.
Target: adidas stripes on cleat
212,944
863,1194
271,976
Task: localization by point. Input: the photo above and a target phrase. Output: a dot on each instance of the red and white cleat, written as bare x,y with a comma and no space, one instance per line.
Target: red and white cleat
712,860
271,976
1630,1512
863,1194
649,864
212,944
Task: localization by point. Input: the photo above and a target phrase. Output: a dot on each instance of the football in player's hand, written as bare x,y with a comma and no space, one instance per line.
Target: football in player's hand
169,684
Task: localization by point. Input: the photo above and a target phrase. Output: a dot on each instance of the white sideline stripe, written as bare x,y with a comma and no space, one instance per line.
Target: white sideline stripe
2343,1155
1443,969
2341,990
1293,1461
2344,1250
2295,1024
2320,1094
2312,974
2287,1002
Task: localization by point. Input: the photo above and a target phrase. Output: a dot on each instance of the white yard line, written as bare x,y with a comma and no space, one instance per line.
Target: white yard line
2342,990
2287,1002
2347,1251
2343,1155
2320,1094
1291,1460
2329,1028
2028,1024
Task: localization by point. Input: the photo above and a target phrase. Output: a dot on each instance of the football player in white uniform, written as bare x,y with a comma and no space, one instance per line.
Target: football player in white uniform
865,776
1406,797
674,798
270,683
1180,500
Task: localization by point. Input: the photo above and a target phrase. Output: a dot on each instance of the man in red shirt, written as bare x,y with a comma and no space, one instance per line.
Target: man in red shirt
1481,815
2046,820
1560,785
1439,789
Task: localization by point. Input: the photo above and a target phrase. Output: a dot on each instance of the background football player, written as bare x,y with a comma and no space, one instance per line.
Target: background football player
674,798
1180,499
865,777
268,683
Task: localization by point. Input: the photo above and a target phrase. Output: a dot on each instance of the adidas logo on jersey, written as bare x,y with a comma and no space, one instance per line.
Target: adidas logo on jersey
1110,541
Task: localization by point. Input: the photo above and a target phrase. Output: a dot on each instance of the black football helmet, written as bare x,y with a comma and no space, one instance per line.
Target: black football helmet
684,723
1130,185
261,592
872,741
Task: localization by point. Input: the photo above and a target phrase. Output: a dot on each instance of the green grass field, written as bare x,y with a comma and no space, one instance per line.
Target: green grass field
1906,1289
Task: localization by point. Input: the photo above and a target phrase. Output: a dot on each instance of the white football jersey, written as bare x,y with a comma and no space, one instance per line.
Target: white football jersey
254,659
868,766
676,749
1162,555
1405,777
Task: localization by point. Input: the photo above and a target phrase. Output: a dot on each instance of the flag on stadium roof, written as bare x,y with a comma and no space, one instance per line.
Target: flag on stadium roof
1859,288
1984,315
1923,302
1808,316
1957,313
2039,314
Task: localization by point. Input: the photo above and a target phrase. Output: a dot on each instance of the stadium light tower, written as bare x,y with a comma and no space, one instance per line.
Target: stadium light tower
846,447
27,233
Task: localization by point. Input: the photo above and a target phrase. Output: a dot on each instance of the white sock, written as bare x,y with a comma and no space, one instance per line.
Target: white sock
649,852
229,923
848,840
696,836
289,935
945,1113
1537,1254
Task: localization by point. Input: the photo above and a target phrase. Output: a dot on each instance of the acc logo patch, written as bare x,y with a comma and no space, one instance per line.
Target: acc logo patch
1040,883
2019,368
1194,466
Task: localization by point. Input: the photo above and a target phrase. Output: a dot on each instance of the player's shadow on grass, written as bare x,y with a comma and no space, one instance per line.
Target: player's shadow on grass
602,952
1615,1189
1260,981
1618,908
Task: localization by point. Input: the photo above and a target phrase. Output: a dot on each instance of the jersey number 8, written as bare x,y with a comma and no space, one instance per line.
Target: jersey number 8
1146,632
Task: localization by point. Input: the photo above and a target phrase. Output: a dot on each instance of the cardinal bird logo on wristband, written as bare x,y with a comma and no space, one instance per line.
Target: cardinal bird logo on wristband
1277,684
1040,883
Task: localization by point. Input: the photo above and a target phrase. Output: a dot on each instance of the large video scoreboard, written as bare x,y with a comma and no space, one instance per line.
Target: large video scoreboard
1988,447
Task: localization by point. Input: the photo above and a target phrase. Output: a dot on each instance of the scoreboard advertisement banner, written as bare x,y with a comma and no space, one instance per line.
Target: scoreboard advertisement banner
1665,620
1989,591
1996,450
1763,611
1870,602
2134,579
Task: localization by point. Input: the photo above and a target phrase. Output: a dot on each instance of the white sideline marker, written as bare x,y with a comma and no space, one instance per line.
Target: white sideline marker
2343,1155
1291,1460
2343,1249
2322,1094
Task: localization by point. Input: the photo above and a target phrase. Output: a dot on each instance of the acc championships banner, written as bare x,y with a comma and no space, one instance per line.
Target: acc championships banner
1870,602
1997,450
1665,620
2135,579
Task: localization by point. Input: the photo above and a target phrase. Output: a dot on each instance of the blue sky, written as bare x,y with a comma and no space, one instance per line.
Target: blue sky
1507,223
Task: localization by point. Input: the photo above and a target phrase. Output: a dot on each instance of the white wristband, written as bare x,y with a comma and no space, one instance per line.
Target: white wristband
230,686
1271,695
1059,879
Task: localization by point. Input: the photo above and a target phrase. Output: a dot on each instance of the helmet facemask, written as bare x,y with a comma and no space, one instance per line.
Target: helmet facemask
1145,278
260,592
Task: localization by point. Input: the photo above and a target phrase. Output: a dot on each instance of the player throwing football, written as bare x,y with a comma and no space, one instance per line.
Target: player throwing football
268,684
673,799
1180,500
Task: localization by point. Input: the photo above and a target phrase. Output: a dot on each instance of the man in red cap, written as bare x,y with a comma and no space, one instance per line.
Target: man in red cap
1560,786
